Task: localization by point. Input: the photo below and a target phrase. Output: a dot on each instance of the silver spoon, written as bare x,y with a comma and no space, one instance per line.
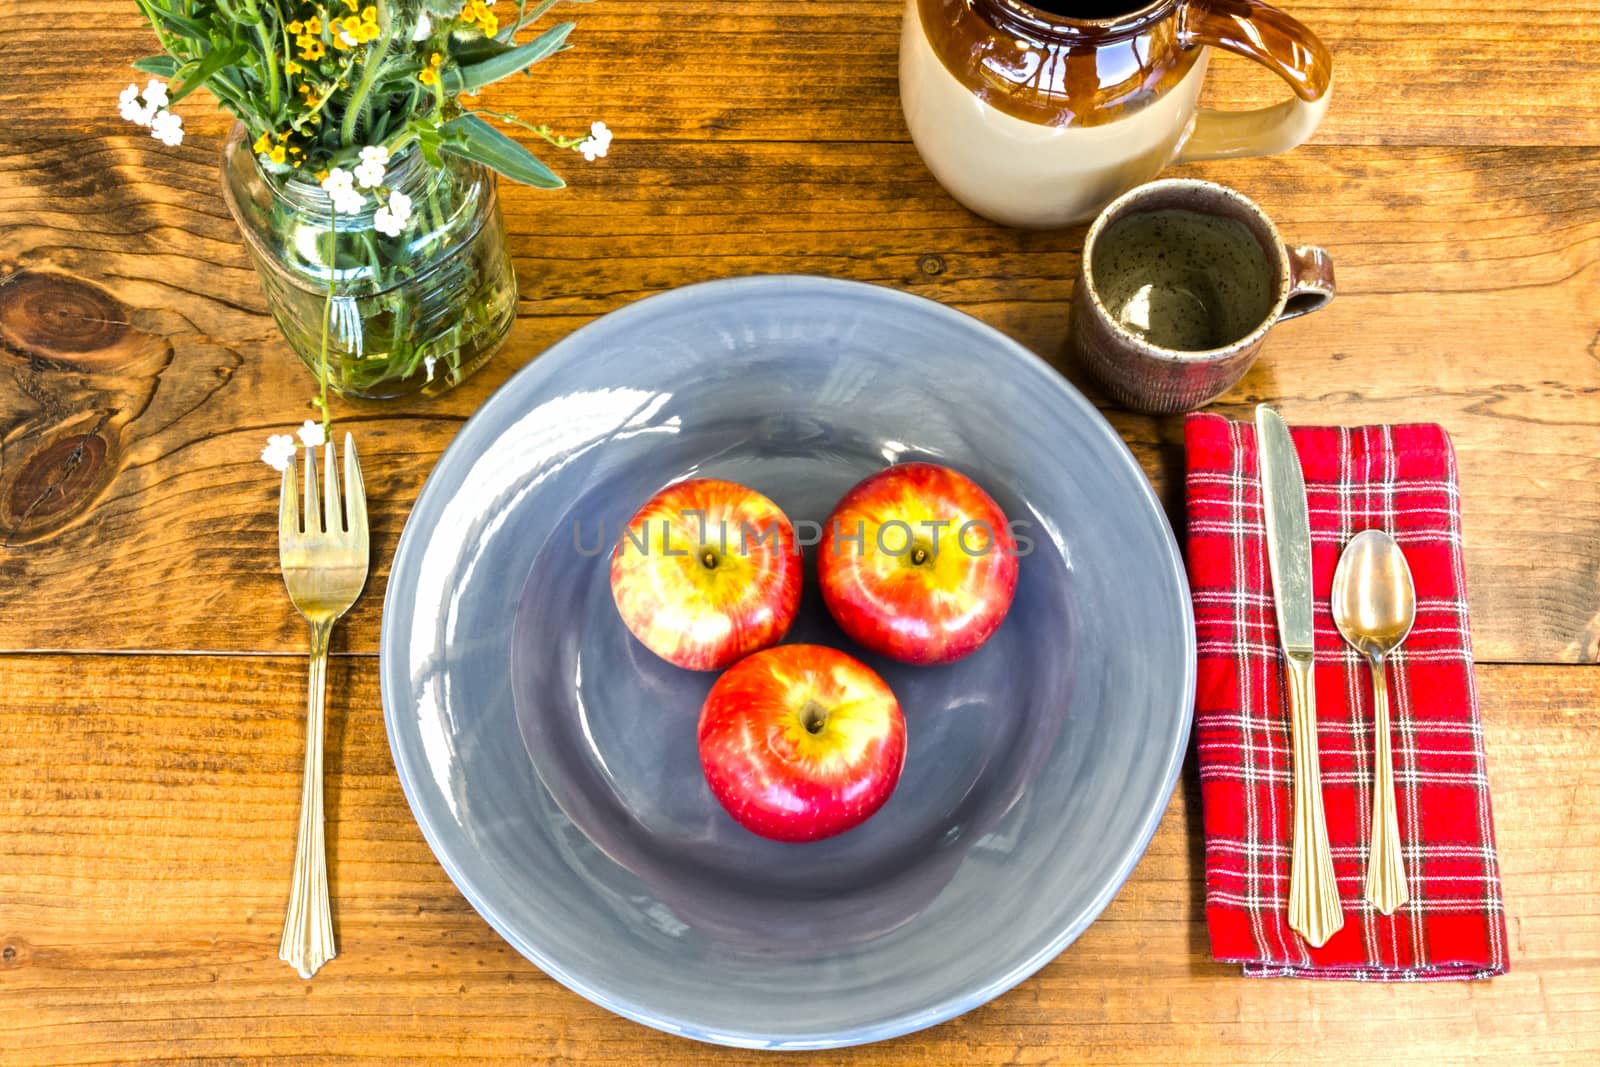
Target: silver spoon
1374,606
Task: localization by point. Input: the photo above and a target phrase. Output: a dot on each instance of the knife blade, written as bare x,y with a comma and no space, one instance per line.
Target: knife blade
1314,908
1283,490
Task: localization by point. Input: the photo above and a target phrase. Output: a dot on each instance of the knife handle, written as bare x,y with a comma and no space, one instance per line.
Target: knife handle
1314,909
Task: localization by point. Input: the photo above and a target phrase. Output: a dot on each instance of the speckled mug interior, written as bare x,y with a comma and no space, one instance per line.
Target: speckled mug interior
1187,269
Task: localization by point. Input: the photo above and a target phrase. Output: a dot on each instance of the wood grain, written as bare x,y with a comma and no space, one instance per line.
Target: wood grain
147,802
1449,72
148,843
1470,295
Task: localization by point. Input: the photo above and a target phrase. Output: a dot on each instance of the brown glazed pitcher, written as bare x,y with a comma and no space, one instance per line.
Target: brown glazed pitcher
1036,118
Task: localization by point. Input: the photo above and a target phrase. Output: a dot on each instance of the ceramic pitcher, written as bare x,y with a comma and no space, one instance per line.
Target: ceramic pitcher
1040,114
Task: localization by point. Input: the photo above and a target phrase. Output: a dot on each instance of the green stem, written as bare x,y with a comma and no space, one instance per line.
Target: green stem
538,131
358,99
271,56
327,314
306,116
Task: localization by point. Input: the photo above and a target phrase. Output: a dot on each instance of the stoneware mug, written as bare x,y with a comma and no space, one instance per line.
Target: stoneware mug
1040,113
1180,282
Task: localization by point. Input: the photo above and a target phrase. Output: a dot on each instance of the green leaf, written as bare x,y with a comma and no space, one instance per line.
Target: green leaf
162,66
528,18
477,49
473,74
178,23
429,140
195,73
472,138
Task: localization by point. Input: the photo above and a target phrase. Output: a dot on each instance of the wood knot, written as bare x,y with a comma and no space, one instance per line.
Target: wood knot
53,482
48,314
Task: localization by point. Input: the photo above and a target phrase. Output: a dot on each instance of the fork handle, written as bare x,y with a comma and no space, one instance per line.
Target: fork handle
308,927
1386,869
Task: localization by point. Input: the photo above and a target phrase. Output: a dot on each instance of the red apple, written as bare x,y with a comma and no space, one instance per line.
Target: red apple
801,742
706,573
917,563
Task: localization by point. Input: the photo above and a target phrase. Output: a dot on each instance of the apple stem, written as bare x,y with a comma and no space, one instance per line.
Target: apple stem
812,716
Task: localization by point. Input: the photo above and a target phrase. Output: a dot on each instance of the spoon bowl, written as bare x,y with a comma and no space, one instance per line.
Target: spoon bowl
1374,602
1374,606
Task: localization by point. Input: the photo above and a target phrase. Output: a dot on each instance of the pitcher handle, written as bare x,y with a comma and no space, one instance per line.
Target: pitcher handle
1281,44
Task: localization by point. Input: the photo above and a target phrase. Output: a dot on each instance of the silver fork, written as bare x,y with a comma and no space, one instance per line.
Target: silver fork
324,566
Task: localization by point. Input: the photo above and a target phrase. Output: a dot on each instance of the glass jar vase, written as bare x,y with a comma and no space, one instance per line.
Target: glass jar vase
404,315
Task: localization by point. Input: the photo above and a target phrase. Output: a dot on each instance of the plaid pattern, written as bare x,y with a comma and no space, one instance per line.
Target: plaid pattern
1401,479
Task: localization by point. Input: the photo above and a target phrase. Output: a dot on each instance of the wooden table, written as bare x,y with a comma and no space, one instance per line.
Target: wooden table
151,680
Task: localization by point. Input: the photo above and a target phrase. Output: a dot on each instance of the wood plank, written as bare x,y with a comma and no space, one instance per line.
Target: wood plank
1470,295
148,808
1441,73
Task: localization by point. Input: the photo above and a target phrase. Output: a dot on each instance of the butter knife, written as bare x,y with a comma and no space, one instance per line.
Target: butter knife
1314,910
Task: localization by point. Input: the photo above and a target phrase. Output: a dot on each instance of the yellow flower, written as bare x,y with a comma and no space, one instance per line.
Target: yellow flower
430,73
263,143
277,155
352,5
479,14
296,27
292,68
310,48
322,175
314,25
369,14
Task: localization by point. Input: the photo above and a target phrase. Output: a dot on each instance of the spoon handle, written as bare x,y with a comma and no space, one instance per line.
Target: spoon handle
1386,870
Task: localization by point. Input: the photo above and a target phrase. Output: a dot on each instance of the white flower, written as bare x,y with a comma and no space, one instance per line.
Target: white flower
594,146
337,181
369,172
424,28
167,128
279,452
393,216
428,363
311,434
155,94
132,109
349,203
341,189
349,41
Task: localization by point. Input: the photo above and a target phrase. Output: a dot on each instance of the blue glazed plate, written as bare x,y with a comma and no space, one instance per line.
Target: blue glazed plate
550,759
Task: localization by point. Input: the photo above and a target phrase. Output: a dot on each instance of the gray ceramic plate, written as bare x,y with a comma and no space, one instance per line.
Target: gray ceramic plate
550,759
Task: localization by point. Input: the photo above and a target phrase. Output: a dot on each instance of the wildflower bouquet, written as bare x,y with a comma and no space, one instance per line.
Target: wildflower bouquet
357,171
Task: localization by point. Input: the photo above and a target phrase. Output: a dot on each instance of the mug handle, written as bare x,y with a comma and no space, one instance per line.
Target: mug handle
1310,281
1280,43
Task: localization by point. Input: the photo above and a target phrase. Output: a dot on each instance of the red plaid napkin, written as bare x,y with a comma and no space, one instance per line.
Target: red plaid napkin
1401,479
